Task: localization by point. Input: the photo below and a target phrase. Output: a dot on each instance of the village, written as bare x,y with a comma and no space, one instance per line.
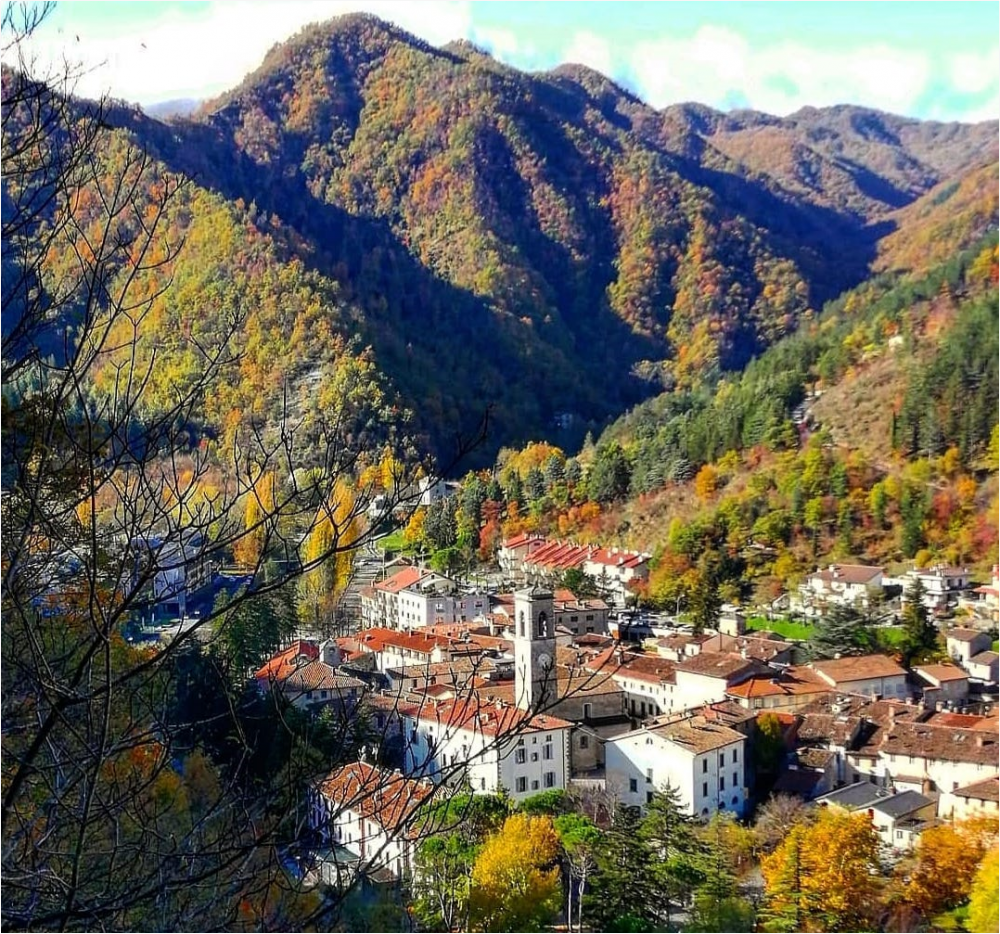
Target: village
533,689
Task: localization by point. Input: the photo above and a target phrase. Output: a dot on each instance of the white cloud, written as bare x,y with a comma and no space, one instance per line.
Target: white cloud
500,43
183,55
974,74
586,48
717,66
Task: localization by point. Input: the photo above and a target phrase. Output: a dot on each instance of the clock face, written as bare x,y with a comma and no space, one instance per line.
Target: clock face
544,660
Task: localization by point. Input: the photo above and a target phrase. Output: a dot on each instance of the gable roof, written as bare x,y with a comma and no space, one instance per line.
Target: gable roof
377,794
695,734
280,666
986,790
725,665
984,658
941,673
319,676
964,635
857,668
406,577
847,573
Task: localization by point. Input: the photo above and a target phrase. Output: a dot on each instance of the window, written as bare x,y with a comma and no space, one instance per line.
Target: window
548,751
520,756
309,695
736,801
574,619
590,629
521,784
633,785
704,766
534,785
584,741
649,797
722,783
534,757
722,759
899,834
588,711
704,789
550,779
541,625
736,779
649,776
735,751
482,784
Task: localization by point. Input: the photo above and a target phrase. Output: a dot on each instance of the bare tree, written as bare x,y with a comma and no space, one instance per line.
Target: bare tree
113,813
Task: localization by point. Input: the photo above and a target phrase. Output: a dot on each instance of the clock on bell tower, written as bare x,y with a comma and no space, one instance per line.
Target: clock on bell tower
534,649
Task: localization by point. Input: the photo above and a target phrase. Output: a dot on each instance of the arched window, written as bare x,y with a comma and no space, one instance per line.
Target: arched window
736,801
521,631
541,625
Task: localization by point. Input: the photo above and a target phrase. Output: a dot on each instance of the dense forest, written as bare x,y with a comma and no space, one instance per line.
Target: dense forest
547,244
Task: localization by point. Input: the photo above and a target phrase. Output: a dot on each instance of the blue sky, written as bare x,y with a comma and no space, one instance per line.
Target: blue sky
937,60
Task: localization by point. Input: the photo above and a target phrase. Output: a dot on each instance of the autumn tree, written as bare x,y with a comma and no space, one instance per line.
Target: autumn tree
983,903
117,482
947,859
515,879
823,876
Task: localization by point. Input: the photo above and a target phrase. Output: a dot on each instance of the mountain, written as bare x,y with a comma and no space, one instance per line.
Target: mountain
177,107
546,245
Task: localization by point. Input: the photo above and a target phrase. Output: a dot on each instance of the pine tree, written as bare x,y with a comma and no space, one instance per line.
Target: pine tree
622,890
921,633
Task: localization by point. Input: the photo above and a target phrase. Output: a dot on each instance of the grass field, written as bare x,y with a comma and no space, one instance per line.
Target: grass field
394,543
783,627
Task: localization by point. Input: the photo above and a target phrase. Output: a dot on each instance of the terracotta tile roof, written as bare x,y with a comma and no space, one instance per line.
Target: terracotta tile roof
402,579
726,665
963,635
926,741
555,555
318,676
280,666
857,668
848,573
792,681
523,538
488,719
986,790
617,557
984,658
376,794
942,673
378,639
755,647
696,734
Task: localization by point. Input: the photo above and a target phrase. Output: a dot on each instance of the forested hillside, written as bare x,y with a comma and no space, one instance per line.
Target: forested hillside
544,246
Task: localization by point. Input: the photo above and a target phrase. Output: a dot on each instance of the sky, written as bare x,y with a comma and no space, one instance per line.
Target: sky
935,60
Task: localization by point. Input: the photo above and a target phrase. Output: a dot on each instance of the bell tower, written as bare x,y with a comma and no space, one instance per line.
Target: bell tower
534,649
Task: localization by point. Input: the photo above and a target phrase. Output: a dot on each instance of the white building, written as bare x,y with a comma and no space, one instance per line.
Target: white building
898,817
853,585
366,815
963,644
489,746
704,760
942,585
983,667
976,800
864,674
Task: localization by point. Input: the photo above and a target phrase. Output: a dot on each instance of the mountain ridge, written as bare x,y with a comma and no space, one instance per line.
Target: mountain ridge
508,221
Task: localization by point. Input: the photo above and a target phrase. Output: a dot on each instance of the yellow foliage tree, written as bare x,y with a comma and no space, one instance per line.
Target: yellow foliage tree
706,482
984,900
328,552
413,534
822,877
258,506
947,857
515,879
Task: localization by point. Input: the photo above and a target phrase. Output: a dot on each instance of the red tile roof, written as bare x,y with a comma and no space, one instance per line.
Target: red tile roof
376,794
857,668
616,557
407,577
296,656
496,719
942,672
986,790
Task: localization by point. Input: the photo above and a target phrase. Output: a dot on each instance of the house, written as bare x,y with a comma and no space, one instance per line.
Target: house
943,683
367,815
985,600
941,758
431,490
304,676
704,759
616,571
513,551
875,675
707,677
772,651
942,586
488,745
416,597
977,799
853,585
399,649
962,644
810,772
795,687
899,817
983,667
